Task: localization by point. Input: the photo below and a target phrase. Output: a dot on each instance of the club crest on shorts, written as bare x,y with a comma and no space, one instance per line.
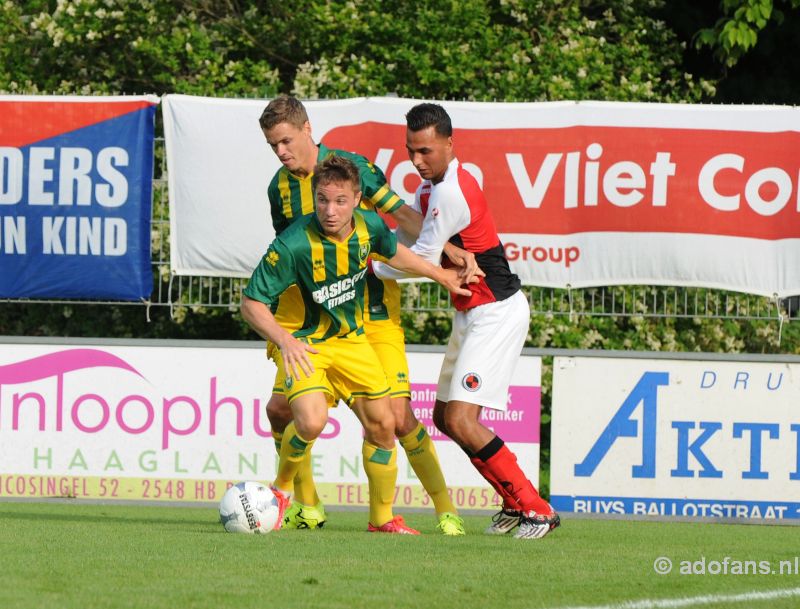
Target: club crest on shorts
471,381
288,382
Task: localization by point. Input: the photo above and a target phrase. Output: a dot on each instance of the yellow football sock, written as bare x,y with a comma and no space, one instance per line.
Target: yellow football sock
380,464
305,490
278,438
293,450
421,455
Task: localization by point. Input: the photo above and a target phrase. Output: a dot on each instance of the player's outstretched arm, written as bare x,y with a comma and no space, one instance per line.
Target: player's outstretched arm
294,352
407,261
409,219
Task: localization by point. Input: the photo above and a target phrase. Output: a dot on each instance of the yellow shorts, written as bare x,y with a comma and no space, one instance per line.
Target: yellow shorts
290,315
344,368
388,341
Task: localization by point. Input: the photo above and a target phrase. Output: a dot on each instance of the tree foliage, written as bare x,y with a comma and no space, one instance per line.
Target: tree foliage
117,46
515,50
737,31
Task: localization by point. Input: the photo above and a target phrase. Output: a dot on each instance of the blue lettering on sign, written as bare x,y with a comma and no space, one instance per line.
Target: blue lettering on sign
696,448
741,377
75,202
769,383
622,426
708,380
674,506
755,472
742,380
795,475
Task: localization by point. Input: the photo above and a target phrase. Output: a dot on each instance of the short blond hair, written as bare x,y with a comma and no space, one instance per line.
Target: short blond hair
284,109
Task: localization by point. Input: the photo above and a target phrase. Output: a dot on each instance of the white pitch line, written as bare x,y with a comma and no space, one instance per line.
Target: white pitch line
693,601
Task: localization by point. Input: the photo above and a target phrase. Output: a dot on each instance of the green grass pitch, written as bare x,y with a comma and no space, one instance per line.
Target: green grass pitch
64,555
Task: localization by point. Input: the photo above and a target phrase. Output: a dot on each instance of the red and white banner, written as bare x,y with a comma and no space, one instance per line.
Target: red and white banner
583,194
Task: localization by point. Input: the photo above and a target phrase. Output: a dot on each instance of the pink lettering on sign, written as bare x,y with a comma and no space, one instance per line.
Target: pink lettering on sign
54,364
92,412
518,423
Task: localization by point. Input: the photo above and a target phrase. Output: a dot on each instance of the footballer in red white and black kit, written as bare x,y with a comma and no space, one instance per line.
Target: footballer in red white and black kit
490,325
486,340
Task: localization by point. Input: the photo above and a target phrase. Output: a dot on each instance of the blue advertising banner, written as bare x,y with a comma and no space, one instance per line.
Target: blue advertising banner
75,196
664,437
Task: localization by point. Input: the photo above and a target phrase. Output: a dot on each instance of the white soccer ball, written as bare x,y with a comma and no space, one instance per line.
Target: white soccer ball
249,507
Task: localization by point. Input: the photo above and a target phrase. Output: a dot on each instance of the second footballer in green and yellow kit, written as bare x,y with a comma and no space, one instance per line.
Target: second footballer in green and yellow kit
291,194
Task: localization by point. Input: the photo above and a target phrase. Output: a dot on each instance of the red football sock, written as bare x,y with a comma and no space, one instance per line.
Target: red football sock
502,465
509,503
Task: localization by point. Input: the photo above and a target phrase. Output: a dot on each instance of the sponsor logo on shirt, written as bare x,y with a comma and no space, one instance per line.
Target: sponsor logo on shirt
338,292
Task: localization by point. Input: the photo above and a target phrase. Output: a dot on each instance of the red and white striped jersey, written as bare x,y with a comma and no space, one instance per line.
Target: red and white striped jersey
455,210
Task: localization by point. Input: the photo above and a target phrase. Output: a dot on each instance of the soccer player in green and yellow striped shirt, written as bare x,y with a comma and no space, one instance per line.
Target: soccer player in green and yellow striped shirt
287,129
326,255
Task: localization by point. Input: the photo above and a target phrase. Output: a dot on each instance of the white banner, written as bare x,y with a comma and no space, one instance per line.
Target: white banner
180,423
583,194
676,438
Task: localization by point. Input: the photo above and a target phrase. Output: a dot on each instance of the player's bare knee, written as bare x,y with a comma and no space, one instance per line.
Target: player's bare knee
405,421
279,412
403,428
309,428
456,424
381,430
379,427
385,427
380,436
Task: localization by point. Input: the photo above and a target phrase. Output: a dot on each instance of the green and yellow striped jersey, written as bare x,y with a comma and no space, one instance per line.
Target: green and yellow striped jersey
291,197
331,275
